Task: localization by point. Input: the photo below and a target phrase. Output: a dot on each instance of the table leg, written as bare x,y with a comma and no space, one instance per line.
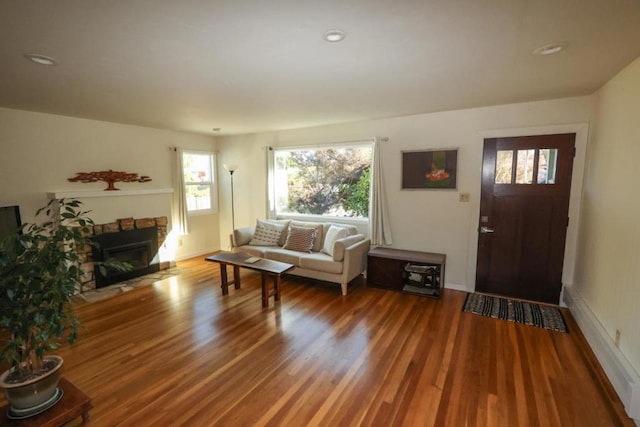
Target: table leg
223,278
265,293
236,277
276,287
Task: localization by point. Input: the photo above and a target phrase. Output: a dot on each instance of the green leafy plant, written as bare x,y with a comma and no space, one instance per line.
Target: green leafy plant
321,181
358,195
39,271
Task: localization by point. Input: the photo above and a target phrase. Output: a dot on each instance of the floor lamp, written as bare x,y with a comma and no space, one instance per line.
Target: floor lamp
231,168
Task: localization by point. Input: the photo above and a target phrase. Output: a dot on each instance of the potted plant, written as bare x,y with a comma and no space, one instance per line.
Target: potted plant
40,268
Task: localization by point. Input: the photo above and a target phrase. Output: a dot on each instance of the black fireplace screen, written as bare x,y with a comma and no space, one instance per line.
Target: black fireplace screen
136,247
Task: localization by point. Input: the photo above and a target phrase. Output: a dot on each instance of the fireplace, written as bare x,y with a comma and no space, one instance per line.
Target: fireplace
138,247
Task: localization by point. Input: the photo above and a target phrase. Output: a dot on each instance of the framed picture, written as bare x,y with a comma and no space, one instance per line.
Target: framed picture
431,169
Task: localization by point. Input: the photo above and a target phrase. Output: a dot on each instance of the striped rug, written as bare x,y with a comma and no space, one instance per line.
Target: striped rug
542,316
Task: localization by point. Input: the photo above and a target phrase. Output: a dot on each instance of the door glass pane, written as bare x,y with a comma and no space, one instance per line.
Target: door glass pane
547,162
524,168
504,166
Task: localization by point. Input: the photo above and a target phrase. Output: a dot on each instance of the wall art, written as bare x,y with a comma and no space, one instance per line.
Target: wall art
430,169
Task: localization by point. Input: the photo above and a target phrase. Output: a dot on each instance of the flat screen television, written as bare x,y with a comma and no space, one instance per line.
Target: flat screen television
9,220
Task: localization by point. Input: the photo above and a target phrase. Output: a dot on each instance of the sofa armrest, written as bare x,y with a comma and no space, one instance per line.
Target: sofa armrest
340,246
242,236
355,259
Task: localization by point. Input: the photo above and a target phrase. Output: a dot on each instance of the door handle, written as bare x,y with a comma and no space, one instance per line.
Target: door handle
486,230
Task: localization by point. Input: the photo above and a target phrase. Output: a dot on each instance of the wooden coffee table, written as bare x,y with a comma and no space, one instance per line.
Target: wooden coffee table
266,267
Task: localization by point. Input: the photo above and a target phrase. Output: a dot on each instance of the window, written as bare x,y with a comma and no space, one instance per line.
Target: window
526,163
326,181
199,188
524,168
504,166
547,166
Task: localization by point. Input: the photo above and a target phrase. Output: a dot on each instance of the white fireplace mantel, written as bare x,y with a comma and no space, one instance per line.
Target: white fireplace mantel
102,193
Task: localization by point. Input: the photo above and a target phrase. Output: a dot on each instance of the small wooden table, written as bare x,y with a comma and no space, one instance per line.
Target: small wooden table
389,268
266,267
73,404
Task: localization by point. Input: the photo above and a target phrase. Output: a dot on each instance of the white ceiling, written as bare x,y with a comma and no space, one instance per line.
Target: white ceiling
249,66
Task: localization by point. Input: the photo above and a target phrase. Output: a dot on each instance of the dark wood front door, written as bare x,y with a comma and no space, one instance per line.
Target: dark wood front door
524,207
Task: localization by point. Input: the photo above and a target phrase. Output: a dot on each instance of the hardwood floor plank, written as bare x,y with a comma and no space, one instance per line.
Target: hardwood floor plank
179,353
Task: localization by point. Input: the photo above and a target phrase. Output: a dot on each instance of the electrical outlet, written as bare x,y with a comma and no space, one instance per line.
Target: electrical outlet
179,242
464,197
617,339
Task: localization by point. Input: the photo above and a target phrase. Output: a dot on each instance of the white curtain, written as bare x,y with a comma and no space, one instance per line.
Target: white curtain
379,226
271,192
180,213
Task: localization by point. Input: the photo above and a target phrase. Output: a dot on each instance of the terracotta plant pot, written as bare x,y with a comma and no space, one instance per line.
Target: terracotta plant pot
32,393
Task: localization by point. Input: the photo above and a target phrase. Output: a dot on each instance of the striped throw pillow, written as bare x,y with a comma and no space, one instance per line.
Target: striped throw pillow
319,227
300,239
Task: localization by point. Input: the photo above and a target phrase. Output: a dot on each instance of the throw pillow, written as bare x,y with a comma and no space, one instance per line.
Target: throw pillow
333,233
300,239
317,243
285,230
266,234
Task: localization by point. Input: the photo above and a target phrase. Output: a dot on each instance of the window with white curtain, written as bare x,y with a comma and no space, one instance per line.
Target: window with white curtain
200,182
329,180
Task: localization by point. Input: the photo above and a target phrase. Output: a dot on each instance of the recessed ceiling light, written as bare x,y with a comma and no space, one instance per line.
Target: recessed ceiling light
334,36
550,49
41,59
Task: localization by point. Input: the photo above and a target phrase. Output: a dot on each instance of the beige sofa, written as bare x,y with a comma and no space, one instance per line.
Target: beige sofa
337,253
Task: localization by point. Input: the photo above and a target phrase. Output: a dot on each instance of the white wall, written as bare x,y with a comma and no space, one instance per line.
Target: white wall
40,151
608,261
426,220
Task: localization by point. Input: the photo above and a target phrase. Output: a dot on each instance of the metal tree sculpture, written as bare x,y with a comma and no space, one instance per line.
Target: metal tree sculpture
110,177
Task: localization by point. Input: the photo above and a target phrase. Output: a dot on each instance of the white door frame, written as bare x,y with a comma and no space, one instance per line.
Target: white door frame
575,199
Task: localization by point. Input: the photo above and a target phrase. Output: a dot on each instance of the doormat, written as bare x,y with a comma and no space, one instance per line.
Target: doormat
542,316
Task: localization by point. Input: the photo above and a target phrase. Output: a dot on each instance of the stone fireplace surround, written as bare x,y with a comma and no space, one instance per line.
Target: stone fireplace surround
88,281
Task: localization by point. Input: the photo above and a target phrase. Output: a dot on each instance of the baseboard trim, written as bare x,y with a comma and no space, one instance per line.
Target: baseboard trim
195,254
623,377
456,287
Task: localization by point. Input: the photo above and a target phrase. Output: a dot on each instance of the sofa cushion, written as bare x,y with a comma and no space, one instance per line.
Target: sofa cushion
320,262
341,244
317,244
266,234
258,251
301,239
283,255
333,233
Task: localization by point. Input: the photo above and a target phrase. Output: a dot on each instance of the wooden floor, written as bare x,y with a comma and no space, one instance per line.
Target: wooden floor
178,353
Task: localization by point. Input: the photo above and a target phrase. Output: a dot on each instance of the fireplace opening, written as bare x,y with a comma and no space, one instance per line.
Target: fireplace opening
136,247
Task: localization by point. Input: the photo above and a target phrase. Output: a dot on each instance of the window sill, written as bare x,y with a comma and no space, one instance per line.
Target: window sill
324,218
202,212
